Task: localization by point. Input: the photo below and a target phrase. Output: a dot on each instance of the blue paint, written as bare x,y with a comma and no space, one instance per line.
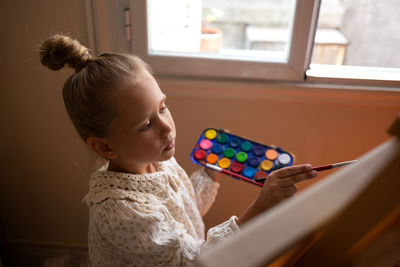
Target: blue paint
254,162
217,149
258,150
234,142
249,172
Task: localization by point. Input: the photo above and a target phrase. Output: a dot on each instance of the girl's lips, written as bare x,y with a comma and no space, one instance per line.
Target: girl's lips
170,146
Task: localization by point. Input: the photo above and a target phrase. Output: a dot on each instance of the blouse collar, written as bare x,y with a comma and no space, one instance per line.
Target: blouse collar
105,184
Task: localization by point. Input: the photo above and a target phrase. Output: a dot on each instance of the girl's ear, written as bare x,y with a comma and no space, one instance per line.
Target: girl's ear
101,147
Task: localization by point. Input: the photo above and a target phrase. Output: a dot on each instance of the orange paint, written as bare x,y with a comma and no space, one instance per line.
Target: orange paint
271,154
212,158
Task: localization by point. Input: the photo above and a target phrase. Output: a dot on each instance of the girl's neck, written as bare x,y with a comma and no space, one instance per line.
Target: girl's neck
143,169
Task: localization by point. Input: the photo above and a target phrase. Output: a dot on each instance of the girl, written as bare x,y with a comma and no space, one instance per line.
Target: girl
143,208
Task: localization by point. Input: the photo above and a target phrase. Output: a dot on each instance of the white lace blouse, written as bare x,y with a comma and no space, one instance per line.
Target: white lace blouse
152,219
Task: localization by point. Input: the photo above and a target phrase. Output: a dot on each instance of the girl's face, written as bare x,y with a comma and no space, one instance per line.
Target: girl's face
143,131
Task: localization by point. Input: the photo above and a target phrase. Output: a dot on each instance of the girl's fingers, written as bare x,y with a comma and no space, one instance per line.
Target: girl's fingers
288,181
292,170
281,183
289,191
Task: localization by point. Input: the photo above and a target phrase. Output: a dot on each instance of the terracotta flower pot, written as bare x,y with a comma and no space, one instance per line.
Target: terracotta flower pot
211,40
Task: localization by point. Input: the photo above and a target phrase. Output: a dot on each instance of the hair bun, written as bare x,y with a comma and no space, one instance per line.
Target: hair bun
59,50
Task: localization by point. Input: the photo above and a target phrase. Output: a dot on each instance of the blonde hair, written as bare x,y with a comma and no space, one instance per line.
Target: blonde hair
88,93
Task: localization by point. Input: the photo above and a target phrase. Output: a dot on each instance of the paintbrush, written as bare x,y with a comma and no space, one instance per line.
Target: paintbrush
241,177
334,165
234,174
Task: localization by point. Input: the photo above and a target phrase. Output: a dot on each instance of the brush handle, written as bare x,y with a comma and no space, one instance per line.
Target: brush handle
335,165
218,169
323,168
241,177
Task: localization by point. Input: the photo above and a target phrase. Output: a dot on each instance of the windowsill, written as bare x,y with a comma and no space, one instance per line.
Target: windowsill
282,92
229,54
354,76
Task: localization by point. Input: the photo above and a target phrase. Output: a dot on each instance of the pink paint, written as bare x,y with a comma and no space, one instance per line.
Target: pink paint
205,144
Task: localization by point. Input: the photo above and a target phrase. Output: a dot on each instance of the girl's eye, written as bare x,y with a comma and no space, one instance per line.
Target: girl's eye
163,108
147,126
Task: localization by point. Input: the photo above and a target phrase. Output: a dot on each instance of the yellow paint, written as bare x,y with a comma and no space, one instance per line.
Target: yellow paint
210,134
224,163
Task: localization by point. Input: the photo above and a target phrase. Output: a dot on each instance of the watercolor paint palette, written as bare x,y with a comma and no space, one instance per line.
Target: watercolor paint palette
238,157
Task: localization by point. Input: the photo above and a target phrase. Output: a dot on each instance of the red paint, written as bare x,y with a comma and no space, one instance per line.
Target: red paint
260,175
237,167
199,154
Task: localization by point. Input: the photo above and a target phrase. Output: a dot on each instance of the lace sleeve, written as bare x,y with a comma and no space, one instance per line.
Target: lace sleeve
205,188
140,235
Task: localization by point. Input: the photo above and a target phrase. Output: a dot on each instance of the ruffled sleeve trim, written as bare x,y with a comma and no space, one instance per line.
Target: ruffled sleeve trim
223,230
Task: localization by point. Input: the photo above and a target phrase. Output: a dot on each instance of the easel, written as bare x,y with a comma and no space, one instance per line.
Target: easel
351,218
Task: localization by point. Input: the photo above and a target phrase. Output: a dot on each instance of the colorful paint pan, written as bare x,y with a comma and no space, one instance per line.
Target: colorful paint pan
258,151
205,144
249,172
239,157
234,142
260,175
284,159
267,165
253,161
212,158
210,134
222,138
224,163
229,152
200,154
271,154
217,149
237,167
246,146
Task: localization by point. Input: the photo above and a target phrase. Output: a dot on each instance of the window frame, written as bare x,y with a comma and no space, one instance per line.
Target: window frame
220,67
109,26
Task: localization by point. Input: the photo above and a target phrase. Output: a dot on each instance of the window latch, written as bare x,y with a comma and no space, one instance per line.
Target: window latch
127,24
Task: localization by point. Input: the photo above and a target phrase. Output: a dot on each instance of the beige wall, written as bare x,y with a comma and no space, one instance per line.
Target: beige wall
45,166
43,163
318,125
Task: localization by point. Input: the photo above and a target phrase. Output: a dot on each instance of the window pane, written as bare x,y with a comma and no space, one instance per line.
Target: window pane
358,33
250,30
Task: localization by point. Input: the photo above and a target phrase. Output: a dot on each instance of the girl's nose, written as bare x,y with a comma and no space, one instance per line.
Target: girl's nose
166,128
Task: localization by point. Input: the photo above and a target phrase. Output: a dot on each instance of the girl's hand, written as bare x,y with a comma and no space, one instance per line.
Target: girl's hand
281,184
213,174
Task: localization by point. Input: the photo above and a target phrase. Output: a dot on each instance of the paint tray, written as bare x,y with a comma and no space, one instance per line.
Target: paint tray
241,158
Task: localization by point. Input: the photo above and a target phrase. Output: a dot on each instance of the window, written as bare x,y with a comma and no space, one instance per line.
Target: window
354,34
258,39
227,29
357,40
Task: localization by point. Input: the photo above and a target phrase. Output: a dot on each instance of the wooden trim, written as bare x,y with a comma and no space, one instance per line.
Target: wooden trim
283,92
